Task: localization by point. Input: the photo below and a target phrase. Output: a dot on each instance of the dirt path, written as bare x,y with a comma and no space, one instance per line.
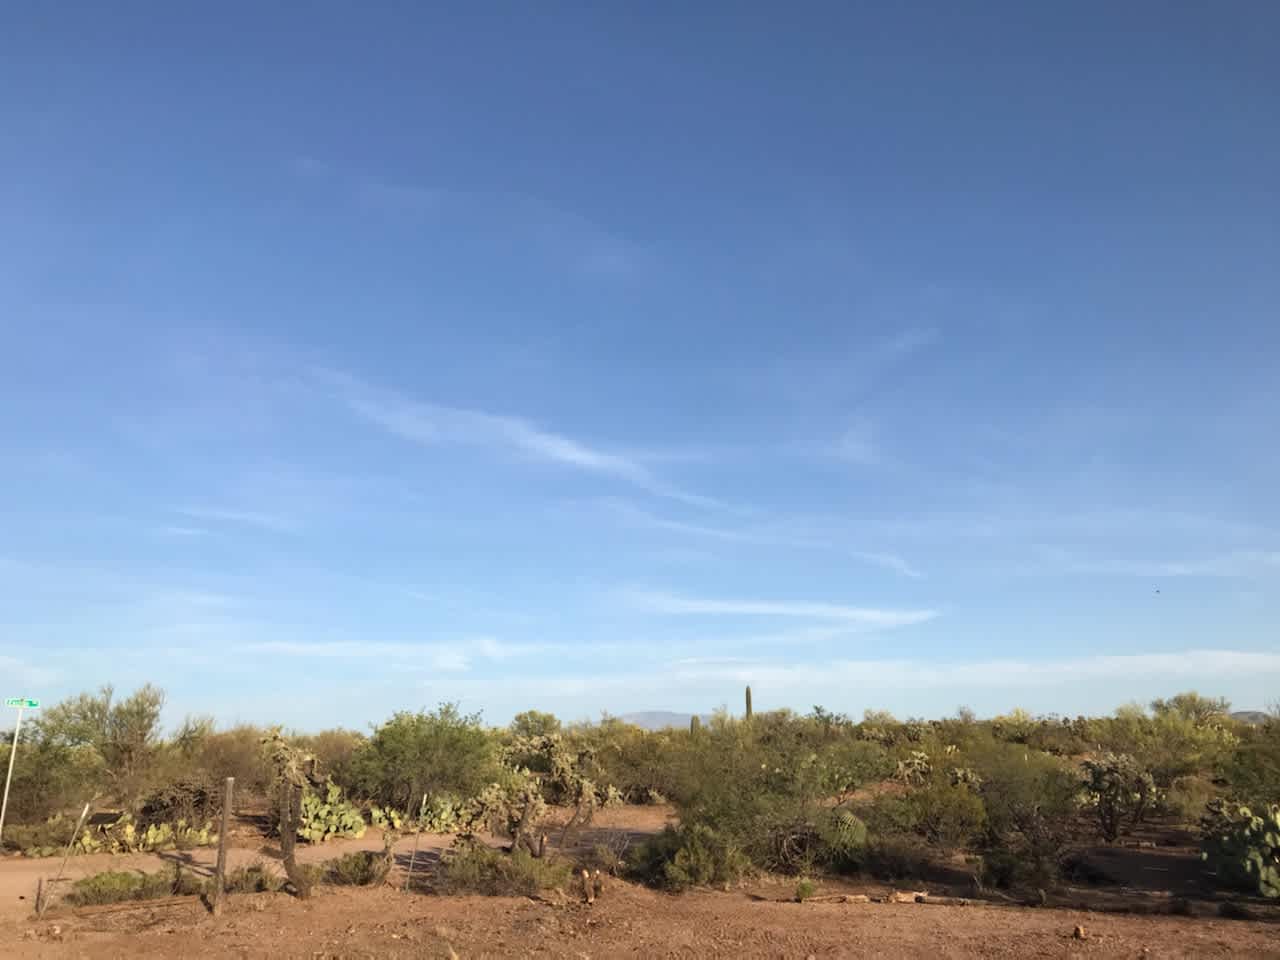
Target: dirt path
626,922
20,875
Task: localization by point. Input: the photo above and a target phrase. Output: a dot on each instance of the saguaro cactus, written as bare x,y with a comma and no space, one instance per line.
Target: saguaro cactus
695,725
748,701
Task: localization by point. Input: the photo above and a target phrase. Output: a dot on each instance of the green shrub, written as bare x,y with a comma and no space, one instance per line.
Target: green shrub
940,813
1000,868
879,726
1184,735
1187,797
1030,800
534,723
363,868
687,856
763,789
890,815
50,778
609,859
237,753
253,878
703,858
40,839
1017,726
945,815
1252,768
639,763
849,764
333,750
124,734
805,888
894,858
471,867
118,886
1243,847
443,752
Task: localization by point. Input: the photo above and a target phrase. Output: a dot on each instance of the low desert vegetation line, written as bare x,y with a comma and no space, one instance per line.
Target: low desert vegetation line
801,795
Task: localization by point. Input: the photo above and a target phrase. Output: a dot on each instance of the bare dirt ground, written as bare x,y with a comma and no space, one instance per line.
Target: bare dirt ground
19,875
629,921
625,922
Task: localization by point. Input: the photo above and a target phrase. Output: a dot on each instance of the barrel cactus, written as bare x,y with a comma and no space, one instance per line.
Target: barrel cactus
1243,847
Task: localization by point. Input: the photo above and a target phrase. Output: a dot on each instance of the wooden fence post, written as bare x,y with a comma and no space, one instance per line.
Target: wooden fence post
416,837
220,873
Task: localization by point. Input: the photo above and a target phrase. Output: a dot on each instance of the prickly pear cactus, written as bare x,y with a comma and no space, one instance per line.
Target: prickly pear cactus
1243,847
328,816
386,818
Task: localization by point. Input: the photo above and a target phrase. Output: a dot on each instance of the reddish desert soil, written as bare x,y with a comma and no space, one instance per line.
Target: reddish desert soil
625,922
20,875
629,921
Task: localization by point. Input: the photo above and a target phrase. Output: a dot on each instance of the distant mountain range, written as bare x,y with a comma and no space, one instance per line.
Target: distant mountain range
659,719
665,719
1250,716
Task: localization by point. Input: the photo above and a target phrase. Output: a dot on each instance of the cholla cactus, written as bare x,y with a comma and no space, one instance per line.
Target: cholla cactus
915,769
1120,791
295,771
510,808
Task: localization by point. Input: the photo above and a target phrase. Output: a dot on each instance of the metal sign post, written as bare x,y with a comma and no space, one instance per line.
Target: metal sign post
22,703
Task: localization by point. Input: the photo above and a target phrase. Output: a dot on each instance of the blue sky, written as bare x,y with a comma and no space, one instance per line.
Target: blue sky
615,356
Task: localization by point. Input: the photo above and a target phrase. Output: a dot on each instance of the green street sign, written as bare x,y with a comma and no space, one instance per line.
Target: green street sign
21,702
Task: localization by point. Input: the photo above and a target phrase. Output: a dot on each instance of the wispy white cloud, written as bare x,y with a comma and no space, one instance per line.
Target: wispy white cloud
539,226
860,445
173,530
890,561
399,197
273,522
454,656
427,423
907,342
676,604
25,675
849,682
772,535
1235,564
907,674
